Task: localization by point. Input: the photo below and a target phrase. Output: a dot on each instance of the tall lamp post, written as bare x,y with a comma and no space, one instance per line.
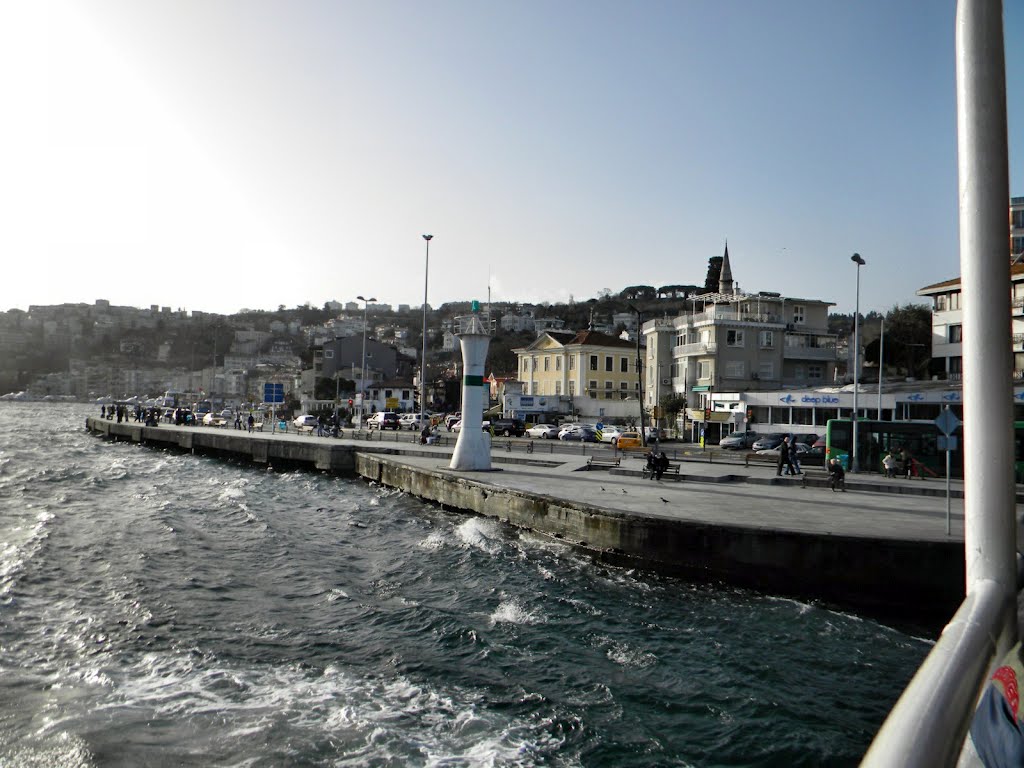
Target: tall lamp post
640,375
423,356
362,365
854,452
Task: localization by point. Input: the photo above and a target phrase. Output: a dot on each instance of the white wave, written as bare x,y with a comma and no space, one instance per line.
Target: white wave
481,533
511,611
435,540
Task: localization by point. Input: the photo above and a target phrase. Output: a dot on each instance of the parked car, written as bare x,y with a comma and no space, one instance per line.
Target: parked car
410,421
305,421
653,433
213,420
610,433
802,449
739,441
543,431
629,440
567,428
383,420
508,427
450,419
581,434
767,442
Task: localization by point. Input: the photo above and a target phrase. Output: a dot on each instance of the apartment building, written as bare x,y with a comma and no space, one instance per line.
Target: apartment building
947,322
589,372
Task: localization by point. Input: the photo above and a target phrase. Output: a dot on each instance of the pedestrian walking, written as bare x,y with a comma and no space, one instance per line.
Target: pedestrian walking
785,458
889,465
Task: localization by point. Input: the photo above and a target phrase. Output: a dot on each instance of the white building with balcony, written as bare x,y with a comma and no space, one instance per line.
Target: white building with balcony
739,342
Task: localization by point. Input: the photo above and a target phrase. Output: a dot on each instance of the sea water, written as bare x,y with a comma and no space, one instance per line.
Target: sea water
165,609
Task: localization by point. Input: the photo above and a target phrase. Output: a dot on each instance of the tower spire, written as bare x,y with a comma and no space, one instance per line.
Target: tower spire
725,284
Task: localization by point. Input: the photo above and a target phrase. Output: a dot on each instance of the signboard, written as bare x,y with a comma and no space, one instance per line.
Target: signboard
273,393
946,442
391,403
947,422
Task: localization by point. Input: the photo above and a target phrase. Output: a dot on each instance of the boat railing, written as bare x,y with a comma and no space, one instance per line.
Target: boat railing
931,720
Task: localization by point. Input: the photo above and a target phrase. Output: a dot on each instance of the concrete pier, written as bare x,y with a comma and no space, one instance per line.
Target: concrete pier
880,549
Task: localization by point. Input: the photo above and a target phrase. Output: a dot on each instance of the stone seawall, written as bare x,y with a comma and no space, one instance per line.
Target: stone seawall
919,581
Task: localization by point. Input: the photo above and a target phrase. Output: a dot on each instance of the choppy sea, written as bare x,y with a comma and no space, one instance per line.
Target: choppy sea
164,609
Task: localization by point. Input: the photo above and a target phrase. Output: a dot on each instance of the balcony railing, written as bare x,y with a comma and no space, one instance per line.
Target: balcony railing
697,348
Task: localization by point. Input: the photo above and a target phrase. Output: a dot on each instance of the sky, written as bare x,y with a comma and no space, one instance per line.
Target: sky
238,154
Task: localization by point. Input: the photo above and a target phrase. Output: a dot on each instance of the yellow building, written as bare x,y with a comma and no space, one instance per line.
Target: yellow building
591,371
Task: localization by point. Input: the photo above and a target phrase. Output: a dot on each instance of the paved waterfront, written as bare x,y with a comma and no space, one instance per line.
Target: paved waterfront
716,487
733,495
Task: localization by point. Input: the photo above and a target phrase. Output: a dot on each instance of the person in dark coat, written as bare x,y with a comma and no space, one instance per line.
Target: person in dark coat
660,465
784,459
836,476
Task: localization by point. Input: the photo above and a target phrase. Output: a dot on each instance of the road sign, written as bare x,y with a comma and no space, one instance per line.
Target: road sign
273,393
946,443
947,422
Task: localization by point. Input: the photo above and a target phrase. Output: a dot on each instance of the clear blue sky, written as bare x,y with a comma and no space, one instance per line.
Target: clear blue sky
243,153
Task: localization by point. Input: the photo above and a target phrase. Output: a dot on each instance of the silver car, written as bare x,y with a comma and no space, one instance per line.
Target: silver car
543,431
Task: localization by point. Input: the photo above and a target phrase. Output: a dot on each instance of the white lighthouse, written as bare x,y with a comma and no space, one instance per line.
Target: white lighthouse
473,448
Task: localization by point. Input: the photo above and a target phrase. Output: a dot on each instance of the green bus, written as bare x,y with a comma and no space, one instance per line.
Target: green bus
920,438
877,438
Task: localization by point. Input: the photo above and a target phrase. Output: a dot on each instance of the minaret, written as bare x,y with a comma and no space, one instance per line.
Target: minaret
473,448
725,276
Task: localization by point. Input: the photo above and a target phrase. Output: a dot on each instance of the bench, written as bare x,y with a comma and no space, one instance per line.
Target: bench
595,463
257,426
671,470
307,430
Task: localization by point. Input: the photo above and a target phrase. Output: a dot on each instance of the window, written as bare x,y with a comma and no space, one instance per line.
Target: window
766,370
734,338
328,354
799,312
704,369
572,362
558,387
766,339
815,372
558,363
956,365
607,385
534,363
940,303
734,369
954,300
593,362
572,387
608,363
624,365
956,334
592,386
798,373
547,363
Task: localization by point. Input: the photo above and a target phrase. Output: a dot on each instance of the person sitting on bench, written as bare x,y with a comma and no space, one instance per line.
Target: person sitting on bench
837,476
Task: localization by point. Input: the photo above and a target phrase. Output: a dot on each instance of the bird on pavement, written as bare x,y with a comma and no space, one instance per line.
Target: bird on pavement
665,500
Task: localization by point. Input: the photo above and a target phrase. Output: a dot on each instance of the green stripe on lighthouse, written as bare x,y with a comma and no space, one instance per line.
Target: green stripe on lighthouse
473,381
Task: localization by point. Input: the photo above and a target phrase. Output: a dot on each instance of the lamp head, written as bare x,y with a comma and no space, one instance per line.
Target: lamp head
428,238
856,257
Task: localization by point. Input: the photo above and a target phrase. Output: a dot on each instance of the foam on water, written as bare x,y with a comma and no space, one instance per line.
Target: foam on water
164,609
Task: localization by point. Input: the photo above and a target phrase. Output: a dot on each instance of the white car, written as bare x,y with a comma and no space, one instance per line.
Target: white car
213,420
610,433
410,421
305,421
543,431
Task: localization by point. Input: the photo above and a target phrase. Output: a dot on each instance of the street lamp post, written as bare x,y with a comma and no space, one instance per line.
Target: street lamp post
640,375
362,366
854,453
423,356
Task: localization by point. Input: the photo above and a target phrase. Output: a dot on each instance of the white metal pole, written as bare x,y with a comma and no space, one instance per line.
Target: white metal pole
423,356
984,192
